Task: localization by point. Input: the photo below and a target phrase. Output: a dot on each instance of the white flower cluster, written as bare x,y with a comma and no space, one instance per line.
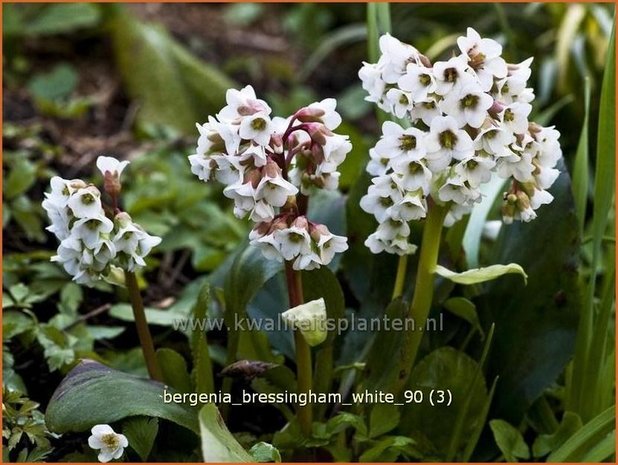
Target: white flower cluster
267,164
468,119
90,242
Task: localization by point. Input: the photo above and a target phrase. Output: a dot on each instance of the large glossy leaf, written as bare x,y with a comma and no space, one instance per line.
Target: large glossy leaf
535,324
446,368
92,393
172,87
218,444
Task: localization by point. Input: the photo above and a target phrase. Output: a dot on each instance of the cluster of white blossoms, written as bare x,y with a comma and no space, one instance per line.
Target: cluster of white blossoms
468,119
269,166
91,242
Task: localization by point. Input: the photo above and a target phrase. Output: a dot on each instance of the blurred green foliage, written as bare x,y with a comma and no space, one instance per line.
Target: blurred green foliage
170,77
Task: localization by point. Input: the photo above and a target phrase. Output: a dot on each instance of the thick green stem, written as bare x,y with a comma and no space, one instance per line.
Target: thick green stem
402,266
143,332
303,351
423,293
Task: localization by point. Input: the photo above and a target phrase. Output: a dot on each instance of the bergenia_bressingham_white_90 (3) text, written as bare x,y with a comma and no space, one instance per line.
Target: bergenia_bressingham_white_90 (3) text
463,121
270,166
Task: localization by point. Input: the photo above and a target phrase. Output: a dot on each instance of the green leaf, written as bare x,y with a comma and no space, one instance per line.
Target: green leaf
71,296
383,418
474,228
59,83
141,433
248,273
465,309
202,364
21,177
481,275
383,358
509,440
390,449
173,87
154,316
265,452
218,444
546,443
174,368
535,324
446,368
57,19
587,439
92,393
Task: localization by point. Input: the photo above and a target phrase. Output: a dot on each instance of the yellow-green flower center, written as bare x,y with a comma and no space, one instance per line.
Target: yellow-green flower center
110,440
447,139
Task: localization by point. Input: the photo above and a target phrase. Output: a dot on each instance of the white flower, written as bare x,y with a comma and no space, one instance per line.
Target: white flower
59,218
293,241
450,74
89,230
426,111
268,245
111,165
397,141
419,81
256,154
86,203
241,103
325,111
273,188
110,443
468,104
519,165
308,261
257,128
494,140
371,78
335,150
228,169
411,207
399,101
446,141
61,190
243,195
395,57
132,243
456,190
412,174
475,170
378,165
381,196
330,244
515,117
484,57
201,166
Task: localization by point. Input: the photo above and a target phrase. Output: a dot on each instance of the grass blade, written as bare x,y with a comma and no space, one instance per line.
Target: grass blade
580,167
592,435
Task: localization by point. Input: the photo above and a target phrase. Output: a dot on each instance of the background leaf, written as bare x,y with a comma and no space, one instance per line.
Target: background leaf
92,393
141,433
218,444
535,325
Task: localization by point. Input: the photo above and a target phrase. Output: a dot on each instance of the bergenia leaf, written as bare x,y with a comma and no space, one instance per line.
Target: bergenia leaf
481,275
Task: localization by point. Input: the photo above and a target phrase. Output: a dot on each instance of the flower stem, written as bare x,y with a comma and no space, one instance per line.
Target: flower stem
303,351
402,266
423,293
143,332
